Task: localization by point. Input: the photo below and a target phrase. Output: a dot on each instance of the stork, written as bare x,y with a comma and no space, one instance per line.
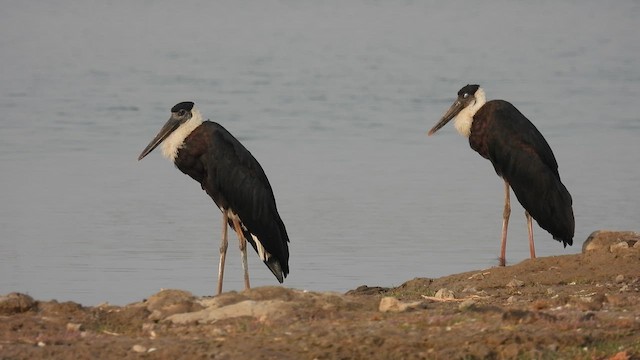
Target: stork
235,181
520,156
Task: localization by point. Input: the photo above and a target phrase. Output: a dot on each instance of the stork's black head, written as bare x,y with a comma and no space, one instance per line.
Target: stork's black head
467,91
184,106
180,114
466,98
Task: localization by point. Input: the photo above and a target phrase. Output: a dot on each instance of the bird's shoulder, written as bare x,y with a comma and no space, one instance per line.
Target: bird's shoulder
508,130
226,150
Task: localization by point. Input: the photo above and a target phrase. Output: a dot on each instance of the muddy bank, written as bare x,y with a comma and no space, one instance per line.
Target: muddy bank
574,306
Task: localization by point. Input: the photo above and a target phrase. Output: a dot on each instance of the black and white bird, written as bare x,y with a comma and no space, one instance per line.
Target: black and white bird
235,181
521,156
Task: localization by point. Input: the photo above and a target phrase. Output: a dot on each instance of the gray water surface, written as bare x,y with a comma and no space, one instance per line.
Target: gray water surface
334,99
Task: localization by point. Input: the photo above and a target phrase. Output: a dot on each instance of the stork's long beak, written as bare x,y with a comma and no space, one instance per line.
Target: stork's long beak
172,124
450,114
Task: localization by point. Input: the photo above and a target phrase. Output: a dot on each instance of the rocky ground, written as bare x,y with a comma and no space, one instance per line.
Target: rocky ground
565,307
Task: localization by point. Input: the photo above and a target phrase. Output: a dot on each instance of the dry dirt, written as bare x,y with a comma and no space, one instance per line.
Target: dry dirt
584,306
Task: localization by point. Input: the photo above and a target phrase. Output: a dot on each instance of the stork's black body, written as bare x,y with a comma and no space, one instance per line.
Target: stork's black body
235,181
521,156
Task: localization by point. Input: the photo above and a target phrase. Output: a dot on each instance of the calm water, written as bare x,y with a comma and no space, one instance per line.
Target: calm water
334,99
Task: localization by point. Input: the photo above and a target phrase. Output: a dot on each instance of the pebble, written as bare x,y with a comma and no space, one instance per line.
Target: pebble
550,291
467,304
515,283
444,294
391,304
74,327
623,245
620,278
139,348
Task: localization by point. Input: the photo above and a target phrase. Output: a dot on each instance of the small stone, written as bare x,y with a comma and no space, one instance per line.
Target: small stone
514,283
478,276
169,302
624,288
468,304
74,327
265,309
391,304
550,291
511,300
444,294
41,344
623,245
620,278
139,348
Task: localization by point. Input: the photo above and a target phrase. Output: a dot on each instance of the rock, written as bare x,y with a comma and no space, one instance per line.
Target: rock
468,304
478,276
622,355
444,294
619,278
15,303
261,310
169,302
470,289
139,348
224,299
270,293
621,246
391,304
368,290
550,291
514,283
602,240
74,327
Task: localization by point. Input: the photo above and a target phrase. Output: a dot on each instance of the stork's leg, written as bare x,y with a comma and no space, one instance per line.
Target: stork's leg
223,250
505,223
243,251
532,248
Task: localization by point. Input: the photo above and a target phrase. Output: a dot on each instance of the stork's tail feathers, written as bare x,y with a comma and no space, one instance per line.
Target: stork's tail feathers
565,241
271,261
273,265
550,205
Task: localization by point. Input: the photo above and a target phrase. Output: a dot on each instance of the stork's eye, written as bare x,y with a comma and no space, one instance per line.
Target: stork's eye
466,95
182,112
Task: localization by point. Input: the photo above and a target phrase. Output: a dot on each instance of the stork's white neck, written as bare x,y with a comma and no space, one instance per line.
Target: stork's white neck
175,141
463,120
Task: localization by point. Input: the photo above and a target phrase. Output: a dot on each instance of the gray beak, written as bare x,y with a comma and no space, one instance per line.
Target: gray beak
450,114
172,124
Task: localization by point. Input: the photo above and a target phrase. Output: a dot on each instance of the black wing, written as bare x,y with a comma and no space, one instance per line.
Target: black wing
236,181
522,156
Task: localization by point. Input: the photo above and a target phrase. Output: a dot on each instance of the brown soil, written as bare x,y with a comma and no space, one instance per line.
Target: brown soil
566,307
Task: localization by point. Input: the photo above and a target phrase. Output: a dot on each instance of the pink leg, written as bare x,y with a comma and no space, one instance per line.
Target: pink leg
532,248
223,251
243,252
505,224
